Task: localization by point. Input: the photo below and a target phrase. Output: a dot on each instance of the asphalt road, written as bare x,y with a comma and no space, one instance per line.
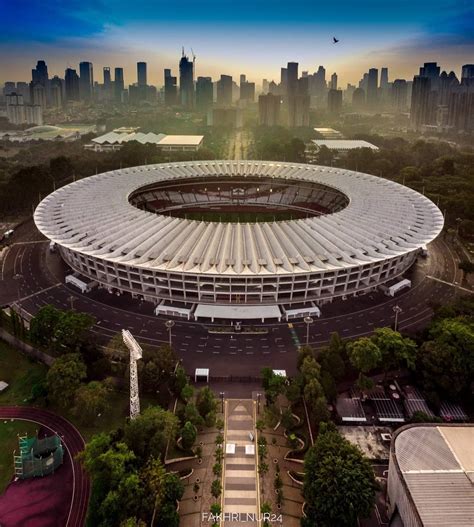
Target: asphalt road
73,443
40,281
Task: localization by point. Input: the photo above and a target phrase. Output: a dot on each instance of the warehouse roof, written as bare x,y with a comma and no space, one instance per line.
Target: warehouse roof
344,144
437,465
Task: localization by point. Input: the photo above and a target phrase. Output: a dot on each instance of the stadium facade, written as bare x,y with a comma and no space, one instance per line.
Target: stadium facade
246,234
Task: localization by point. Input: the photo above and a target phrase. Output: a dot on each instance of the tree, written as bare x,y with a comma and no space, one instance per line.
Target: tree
64,378
319,410
364,354
71,331
191,414
206,401
91,400
313,390
339,484
467,267
310,369
43,325
216,488
148,434
187,392
395,349
188,435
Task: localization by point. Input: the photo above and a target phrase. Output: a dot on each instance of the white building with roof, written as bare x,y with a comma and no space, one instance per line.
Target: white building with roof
200,234
342,146
115,139
431,476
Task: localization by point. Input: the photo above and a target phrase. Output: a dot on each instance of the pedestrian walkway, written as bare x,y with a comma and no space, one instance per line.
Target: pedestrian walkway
240,496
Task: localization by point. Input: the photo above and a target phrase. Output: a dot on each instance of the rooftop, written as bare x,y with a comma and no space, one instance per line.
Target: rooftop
437,465
344,144
193,140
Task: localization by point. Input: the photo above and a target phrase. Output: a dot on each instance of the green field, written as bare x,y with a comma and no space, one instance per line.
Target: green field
9,431
21,373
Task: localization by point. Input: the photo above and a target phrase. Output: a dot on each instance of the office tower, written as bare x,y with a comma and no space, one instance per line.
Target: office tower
86,81
71,81
384,78
204,93
57,89
265,85
171,88
34,114
15,108
224,90
23,88
39,95
242,79
446,84
349,92
400,95
283,80
269,109
107,87
334,101
141,74
430,70
9,87
333,82
273,88
226,117
467,72
358,98
39,75
292,77
372,85
421,99
119,84
461,107
186,81
247,91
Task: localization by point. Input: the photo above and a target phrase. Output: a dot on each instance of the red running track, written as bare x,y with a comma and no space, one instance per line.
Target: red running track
73,444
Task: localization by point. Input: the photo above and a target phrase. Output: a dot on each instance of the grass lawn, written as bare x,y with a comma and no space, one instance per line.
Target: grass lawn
9,443
20,372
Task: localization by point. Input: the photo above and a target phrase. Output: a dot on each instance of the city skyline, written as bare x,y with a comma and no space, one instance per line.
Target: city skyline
252,41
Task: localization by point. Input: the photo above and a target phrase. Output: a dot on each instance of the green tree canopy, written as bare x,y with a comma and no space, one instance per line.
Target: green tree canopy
364,354
206,401
339,484
64,378
188,435
396,350
91,400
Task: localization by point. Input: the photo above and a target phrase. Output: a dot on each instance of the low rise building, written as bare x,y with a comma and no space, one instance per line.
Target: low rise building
342,146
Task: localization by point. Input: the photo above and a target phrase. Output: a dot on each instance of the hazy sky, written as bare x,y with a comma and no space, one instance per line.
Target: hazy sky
255,37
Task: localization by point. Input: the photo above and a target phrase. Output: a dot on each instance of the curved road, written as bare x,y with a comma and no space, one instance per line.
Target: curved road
73,443
40,281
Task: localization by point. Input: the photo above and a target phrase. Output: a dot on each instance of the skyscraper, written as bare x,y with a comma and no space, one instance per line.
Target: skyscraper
384,78
86,80
421,107
39,75
204,93
224,90
186,81
372,86
71,81
40,81
56,91
399,95
247,90
292,77
467,72
358,98
269,109
119,84
333,83
141,74
334,101
171,88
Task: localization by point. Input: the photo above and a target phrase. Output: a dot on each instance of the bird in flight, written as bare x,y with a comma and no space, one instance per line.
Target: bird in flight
335,40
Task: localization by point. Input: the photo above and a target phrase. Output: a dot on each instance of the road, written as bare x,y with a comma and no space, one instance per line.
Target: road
40,281
73,443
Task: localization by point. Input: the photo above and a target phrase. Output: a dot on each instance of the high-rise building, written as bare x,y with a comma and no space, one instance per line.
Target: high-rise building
333,82
283,81
421,102
9,87
334,101
34,114
384,78
467,72
15,108
23,88
265,85
461,107
39,95
39,75
224,90
141,74
292,78
247,91
204,93
107,87
186,81
119,84
297,104
400,95
57,91
86,80
171,88
269,109
358,98
372,86
71,81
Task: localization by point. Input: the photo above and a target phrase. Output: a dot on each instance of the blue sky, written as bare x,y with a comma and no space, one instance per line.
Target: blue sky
235,36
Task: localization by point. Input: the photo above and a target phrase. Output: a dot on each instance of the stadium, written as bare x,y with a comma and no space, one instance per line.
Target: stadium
238,239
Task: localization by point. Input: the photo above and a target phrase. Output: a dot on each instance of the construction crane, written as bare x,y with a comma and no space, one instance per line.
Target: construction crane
135,354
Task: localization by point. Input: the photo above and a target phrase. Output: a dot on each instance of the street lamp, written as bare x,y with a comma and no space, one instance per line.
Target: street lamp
222,401
72,299
308,321
169,324
397,310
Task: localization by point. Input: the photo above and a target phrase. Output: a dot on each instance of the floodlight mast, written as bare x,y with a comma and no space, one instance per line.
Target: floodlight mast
135,354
